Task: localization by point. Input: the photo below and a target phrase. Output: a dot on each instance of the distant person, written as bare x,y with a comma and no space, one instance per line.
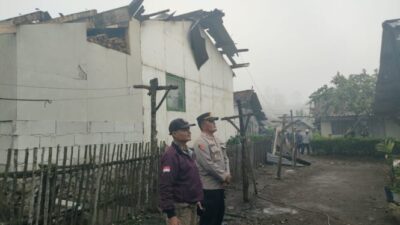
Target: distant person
306,142
214,170
180,186
298,140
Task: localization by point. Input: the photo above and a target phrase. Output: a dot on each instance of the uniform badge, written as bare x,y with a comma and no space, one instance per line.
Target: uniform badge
166,169
202,147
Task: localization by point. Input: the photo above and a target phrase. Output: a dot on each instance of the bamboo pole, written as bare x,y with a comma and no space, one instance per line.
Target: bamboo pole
33,184
21,213
42,180
97,187
47,195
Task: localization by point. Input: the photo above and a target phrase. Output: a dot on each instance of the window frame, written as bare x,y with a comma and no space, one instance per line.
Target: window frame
180,82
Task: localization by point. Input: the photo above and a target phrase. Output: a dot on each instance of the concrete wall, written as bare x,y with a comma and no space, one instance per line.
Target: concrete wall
326,129
87,83
8,76
166,48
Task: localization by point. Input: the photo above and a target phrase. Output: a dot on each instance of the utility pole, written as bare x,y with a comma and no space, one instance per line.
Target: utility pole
153,88
246,165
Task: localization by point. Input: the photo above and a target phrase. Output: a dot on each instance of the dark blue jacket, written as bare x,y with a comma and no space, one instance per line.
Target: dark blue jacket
179,179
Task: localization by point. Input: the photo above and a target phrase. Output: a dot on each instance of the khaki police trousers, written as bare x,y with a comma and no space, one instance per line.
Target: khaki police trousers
186,213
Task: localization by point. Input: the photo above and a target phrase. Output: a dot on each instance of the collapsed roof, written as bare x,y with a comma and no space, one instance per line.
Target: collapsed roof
249,100
387,97
107,28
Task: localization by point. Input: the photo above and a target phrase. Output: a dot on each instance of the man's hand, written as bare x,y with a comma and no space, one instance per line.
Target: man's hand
174,221
200,206
227,179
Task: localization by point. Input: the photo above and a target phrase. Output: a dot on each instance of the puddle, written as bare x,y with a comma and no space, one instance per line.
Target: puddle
275,210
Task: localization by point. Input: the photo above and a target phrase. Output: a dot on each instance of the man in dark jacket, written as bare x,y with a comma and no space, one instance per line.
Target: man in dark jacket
181,190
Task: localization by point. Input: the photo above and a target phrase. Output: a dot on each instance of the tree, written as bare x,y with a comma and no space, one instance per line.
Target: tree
352,95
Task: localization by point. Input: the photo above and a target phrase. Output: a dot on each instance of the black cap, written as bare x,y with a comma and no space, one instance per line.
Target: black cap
205,116
178,124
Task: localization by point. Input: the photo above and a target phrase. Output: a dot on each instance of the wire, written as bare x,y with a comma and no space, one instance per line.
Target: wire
26,100
254,83
66,99
88,98
64,88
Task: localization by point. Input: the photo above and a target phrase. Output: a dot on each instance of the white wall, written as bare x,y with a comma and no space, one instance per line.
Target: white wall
8,76
326,129
73,73
166,48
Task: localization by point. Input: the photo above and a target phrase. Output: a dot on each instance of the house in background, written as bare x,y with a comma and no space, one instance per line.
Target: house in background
339,126
300,124
251,104
68,80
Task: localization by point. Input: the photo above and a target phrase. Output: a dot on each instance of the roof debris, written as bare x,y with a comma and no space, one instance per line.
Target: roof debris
109,28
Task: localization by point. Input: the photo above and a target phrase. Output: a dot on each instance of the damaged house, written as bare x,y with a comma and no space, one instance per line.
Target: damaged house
387,95
69,80
251,105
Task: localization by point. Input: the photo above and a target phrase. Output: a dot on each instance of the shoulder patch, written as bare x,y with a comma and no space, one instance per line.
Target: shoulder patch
166,169
202,147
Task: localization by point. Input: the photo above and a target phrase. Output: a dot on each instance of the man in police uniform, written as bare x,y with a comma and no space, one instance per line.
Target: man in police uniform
214,172
180,185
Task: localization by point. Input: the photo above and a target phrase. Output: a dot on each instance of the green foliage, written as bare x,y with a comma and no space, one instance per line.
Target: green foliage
386,146
351,95
348,146
233,140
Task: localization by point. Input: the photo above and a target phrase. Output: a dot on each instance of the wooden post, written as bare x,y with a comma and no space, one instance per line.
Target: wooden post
246,164
242,131
33,185
153,88
293,141
282,142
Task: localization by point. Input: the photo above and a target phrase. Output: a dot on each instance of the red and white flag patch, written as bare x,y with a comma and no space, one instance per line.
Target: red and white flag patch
166,169
202,147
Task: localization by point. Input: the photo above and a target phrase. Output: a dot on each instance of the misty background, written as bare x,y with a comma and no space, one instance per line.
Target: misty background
295,46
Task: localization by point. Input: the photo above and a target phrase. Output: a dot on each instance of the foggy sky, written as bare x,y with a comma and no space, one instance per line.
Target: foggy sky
295,46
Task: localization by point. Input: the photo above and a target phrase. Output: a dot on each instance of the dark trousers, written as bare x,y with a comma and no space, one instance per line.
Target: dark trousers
303,146
214,205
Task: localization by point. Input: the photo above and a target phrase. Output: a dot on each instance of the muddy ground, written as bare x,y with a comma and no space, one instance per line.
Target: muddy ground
332,191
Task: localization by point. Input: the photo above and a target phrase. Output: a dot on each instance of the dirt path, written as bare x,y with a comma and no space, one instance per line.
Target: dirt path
331,191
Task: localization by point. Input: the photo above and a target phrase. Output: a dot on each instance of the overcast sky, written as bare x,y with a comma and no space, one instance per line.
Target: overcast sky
295,46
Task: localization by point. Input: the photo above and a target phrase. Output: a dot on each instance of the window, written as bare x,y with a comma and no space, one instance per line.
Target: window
176,98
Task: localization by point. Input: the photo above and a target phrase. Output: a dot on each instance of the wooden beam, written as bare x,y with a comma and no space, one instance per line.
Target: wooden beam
239,50
147,16
235,117
240,65
243,50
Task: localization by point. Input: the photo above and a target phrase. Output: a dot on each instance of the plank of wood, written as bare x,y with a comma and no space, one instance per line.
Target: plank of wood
33,185
24,182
